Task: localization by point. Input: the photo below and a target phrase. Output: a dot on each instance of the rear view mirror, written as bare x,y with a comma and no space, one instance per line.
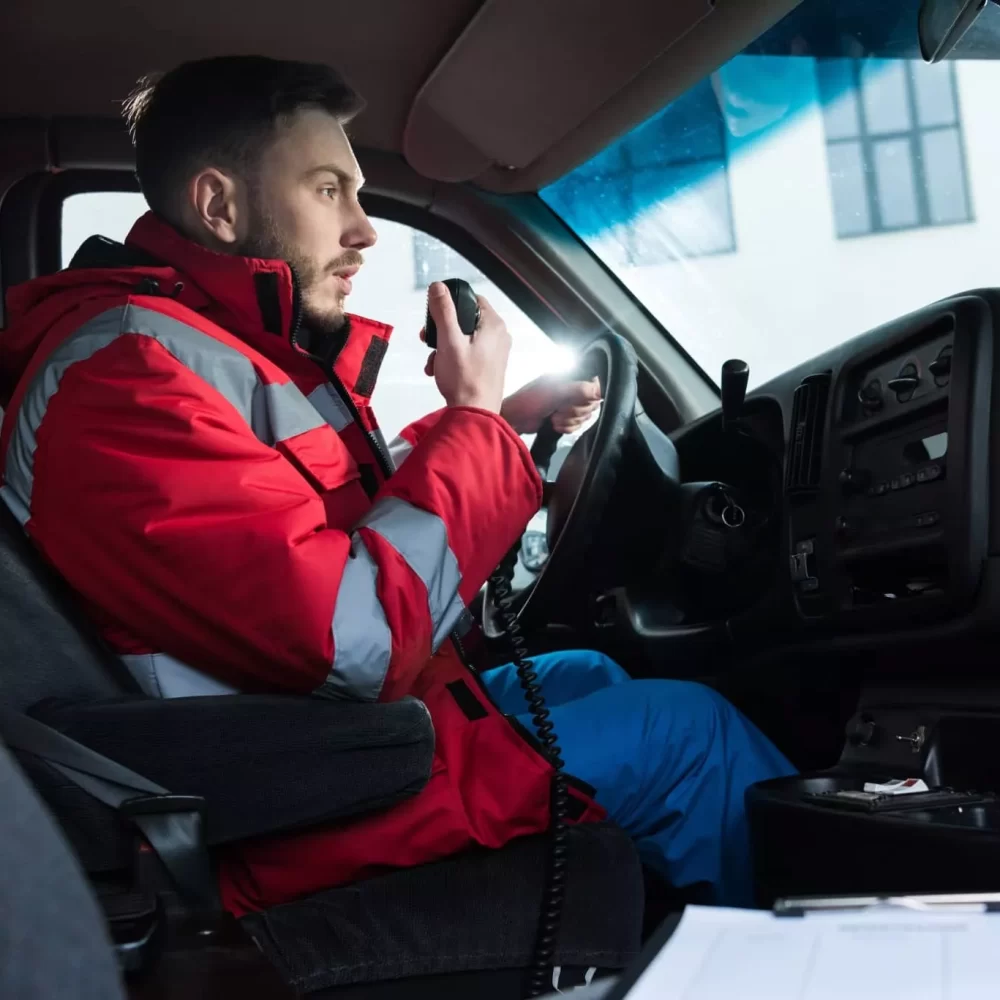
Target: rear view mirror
942,23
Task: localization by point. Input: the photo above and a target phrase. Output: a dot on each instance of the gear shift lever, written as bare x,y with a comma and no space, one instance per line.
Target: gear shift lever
735,375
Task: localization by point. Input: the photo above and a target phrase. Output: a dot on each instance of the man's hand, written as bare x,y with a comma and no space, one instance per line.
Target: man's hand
569,403
469,371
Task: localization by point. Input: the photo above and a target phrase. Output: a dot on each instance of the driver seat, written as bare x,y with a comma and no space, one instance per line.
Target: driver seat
406,932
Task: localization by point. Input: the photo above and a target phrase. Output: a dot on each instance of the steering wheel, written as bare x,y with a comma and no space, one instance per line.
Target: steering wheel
612,359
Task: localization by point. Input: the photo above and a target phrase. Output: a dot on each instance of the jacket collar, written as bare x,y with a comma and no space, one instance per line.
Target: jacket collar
257,300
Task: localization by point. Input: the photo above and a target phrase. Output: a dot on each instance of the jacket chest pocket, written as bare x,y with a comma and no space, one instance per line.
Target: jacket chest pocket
326,464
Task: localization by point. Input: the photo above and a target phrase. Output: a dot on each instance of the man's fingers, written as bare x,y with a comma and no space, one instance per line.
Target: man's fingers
429,366
442,310
570,418
581,393
565,425
576,412
579,410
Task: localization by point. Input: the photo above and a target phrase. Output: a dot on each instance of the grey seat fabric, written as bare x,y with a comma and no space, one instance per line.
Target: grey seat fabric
47,651
53,945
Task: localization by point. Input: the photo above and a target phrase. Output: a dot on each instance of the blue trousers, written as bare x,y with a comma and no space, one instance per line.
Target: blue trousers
670,761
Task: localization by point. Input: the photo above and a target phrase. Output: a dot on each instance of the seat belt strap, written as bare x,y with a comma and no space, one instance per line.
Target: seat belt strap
172,824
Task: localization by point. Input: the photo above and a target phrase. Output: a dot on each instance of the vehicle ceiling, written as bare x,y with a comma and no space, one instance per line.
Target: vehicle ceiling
508,94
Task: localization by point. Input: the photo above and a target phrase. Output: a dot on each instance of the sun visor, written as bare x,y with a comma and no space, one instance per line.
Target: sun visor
99,143
526,73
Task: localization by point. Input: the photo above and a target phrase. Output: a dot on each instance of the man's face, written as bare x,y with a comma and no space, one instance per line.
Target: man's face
303,209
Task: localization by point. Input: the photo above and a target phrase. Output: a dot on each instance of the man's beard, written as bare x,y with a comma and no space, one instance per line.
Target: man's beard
322,327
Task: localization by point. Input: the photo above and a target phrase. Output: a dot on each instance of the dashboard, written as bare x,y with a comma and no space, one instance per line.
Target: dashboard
870,466
887,467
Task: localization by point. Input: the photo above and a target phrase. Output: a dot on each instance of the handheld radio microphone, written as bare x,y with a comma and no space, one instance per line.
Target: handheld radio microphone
466,308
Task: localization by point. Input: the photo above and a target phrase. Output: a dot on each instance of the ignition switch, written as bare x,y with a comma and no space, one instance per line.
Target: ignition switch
916,739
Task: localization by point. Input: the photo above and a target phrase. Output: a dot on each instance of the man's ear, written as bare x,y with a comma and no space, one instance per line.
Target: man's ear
213,198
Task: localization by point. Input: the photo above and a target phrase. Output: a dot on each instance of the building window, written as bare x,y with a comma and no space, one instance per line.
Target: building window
659,194
894,145
435,261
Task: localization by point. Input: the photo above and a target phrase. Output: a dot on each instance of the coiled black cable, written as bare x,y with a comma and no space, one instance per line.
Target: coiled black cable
554,891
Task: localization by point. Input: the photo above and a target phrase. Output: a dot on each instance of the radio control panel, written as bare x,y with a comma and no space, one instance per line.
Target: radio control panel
888,528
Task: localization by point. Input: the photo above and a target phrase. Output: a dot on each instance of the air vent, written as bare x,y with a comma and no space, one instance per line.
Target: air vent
805,449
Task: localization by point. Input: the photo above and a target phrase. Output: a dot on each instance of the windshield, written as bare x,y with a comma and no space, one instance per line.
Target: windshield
822,182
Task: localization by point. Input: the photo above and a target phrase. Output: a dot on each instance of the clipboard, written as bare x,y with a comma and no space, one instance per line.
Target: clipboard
802,907
956,902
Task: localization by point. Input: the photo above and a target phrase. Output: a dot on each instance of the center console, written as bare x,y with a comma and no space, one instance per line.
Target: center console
887,515
887,471
806,842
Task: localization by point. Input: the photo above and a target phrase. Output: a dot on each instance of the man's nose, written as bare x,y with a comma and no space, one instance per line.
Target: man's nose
359,234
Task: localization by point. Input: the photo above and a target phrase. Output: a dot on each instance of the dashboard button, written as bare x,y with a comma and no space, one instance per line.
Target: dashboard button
940,367
802,565
906,480
905,383
927,520
878,490
855,480
870,396
929,473
895,484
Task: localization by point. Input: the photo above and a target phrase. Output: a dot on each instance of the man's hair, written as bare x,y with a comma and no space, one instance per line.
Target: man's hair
221,112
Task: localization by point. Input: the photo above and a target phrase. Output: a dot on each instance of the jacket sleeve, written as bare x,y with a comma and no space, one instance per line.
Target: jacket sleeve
403,444
156,501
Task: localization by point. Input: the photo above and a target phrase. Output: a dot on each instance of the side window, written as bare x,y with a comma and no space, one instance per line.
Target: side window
104,213
391,288
434,261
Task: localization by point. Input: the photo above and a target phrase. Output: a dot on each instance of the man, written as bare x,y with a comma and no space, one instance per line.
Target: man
189,442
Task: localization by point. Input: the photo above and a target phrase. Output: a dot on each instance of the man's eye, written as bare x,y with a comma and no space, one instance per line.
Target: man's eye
328,192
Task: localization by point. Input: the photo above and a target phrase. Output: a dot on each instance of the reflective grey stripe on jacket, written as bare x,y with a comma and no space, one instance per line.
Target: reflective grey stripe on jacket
399,450
274,412
163,676
422,540
361,636
330,406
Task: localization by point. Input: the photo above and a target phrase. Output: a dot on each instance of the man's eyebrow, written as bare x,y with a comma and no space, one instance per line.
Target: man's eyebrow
342,175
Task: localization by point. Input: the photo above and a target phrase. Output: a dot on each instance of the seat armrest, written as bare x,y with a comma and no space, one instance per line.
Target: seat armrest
262,763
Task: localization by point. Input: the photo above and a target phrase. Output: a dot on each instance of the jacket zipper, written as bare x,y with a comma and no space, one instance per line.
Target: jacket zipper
384,459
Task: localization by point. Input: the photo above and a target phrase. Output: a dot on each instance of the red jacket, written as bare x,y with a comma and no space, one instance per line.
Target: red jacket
224,514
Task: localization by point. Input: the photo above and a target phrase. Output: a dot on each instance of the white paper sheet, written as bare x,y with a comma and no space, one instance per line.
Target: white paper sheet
720,954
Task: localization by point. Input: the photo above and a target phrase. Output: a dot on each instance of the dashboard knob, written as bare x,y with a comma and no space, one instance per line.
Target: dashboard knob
905,383
855,480
870,396
940,367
